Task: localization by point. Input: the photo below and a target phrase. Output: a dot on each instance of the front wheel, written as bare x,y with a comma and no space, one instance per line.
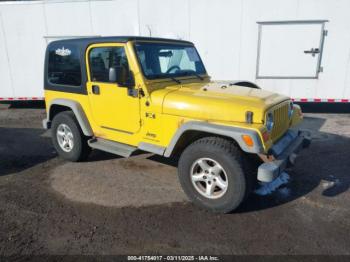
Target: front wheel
211,173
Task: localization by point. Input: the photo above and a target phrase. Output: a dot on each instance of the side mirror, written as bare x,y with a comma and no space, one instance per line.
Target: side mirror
122,76
112,76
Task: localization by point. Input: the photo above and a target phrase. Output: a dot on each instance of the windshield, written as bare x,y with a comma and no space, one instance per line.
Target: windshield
159,60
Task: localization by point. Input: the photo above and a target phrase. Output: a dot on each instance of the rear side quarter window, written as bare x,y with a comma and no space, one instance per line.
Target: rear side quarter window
64,66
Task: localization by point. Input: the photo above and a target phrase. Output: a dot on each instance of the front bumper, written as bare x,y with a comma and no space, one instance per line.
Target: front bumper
284,153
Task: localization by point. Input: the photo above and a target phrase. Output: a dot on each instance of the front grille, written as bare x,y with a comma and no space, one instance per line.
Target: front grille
281,121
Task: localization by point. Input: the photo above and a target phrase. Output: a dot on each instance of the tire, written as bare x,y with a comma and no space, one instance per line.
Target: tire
215,153
78,149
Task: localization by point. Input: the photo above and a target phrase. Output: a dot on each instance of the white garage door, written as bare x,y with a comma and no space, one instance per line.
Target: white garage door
290,49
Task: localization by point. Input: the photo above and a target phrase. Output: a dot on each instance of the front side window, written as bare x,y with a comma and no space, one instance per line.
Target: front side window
104,60
64,66
160,60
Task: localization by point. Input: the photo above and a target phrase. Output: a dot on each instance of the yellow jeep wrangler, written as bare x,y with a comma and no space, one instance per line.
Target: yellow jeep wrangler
122,94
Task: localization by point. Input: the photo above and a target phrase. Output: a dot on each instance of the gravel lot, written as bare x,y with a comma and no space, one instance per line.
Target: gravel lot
111,205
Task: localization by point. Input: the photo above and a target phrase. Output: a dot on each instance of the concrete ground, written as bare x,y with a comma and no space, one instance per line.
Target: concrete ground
112,205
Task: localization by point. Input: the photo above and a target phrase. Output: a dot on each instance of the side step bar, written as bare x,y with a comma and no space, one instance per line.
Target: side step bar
112,147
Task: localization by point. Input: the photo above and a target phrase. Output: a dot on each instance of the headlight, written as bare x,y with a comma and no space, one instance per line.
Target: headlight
290,109
269,121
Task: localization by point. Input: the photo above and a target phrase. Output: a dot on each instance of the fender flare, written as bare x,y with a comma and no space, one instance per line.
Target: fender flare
233,132
77,110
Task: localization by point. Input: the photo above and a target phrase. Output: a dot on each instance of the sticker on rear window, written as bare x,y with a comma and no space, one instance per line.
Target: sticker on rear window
62,51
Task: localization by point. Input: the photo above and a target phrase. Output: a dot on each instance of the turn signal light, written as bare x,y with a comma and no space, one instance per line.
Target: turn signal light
248,140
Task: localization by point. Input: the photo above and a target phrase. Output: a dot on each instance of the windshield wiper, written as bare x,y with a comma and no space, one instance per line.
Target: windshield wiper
200,77
176,80
162,76
193,73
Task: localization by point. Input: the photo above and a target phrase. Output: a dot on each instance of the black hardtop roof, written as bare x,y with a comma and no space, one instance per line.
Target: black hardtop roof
84,42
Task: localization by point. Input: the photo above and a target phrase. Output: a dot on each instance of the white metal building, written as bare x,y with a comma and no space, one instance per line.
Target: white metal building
300,48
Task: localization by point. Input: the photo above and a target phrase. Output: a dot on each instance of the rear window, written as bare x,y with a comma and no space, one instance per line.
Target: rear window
64,66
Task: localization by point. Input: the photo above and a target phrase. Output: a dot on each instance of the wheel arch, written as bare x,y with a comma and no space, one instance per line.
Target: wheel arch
60,105
193,130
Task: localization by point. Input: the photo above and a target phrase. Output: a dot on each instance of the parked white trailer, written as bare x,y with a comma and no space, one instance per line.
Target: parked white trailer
300,48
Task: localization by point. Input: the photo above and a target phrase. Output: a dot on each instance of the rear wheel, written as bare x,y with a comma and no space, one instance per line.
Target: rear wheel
68,138
212,174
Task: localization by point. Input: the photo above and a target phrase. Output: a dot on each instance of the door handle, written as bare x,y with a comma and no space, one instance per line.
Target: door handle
95,89
312,51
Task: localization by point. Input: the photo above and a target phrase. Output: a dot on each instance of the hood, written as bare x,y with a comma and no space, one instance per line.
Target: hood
217,101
